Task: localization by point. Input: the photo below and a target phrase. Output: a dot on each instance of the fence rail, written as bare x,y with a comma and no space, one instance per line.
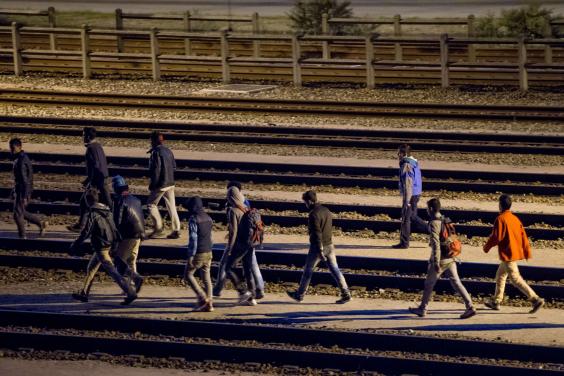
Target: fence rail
444,68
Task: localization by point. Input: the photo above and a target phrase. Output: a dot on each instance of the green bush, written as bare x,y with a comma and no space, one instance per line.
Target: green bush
306,15
532,21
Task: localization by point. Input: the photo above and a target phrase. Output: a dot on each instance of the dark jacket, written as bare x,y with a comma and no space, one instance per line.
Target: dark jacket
200,227
161,167
23,175
320,226
96,164
128,217
100,228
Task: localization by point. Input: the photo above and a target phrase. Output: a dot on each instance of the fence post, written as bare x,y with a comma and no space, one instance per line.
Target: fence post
17,49
155,63
548,47
85,49
52,24
523,76
325,31
296,57
119,26
256,30
471,34
397,34
187,28
225,72
369,45
444,61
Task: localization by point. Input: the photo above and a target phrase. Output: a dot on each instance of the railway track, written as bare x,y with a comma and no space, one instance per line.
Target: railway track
63,202
285,106
308,174
280,267
294,136
276,345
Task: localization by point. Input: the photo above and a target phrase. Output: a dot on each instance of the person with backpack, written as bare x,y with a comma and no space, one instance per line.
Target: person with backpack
234,214
130,222
320,226
410,187
97,176
161,171
200,227
444,248
245,233
513,245
103,234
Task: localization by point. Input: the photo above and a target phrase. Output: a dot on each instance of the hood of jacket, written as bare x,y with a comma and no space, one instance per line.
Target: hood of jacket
235,198
195,205
410,160
101,209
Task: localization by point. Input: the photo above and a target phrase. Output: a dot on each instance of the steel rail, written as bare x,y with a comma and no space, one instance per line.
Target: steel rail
278,254
282,275
419,110
271,334
294,136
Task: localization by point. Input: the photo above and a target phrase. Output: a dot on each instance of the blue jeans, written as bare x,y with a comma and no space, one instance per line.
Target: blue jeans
313,258
221,274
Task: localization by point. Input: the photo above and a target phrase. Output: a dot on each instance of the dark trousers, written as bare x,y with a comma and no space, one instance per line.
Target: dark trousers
409,217
245,255
105,198
21,214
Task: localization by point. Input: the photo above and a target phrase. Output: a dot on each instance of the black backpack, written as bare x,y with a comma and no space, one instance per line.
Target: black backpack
251,229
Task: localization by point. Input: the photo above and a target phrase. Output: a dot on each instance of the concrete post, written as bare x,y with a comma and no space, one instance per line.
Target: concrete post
225,71
444,61
471,34
523,75
296,57
52,24
17,49
325,31
187,28
369,45
256,30
548,47
397,33
119,26
155,52
85,49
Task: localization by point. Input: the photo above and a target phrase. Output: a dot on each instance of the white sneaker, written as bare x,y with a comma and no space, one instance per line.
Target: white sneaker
245,297
250,302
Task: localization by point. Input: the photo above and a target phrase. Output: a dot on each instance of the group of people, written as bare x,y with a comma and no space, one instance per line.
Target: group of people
116,227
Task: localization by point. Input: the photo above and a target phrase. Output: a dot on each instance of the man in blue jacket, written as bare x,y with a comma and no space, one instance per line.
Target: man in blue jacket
410,187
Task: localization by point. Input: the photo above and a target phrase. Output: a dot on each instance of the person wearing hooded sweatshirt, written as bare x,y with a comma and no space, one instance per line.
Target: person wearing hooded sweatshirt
96,175
513,245
103,234
200,226
23,185
410,187
130,222
236,206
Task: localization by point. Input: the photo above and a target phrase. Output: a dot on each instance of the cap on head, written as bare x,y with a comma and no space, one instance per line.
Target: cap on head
118,183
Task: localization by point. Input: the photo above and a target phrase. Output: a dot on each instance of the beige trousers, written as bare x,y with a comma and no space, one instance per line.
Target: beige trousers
102,258
127,251
170,201
511,270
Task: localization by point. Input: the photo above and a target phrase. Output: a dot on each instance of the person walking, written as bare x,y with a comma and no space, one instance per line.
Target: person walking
103,234
23,186
200,226
441,262
320,227
513,245
235,212
410,187
161,171
96,175
130,223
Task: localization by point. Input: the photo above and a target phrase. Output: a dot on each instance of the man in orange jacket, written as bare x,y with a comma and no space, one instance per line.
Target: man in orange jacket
513,245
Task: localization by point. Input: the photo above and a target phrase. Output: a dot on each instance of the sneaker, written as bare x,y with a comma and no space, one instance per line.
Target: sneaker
344,299
400,246
537,304
418,311
129,299
250,302
174,235
74,228
259,294
80,297
138,284
294,295
244,297
492,305
468,313
156,234
216,292
43,228
206,307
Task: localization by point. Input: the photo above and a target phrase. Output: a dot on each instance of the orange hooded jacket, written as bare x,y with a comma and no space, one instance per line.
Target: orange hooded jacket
510,237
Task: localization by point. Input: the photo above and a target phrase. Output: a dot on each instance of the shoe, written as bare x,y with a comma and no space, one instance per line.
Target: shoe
74,228
43,228
294,295
400,246
418,311
250,302
80,296
138,284
207,306
259,294
468,313
538,304
216,292
244,297
345,298
156,234
492,305
129,299
174,235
